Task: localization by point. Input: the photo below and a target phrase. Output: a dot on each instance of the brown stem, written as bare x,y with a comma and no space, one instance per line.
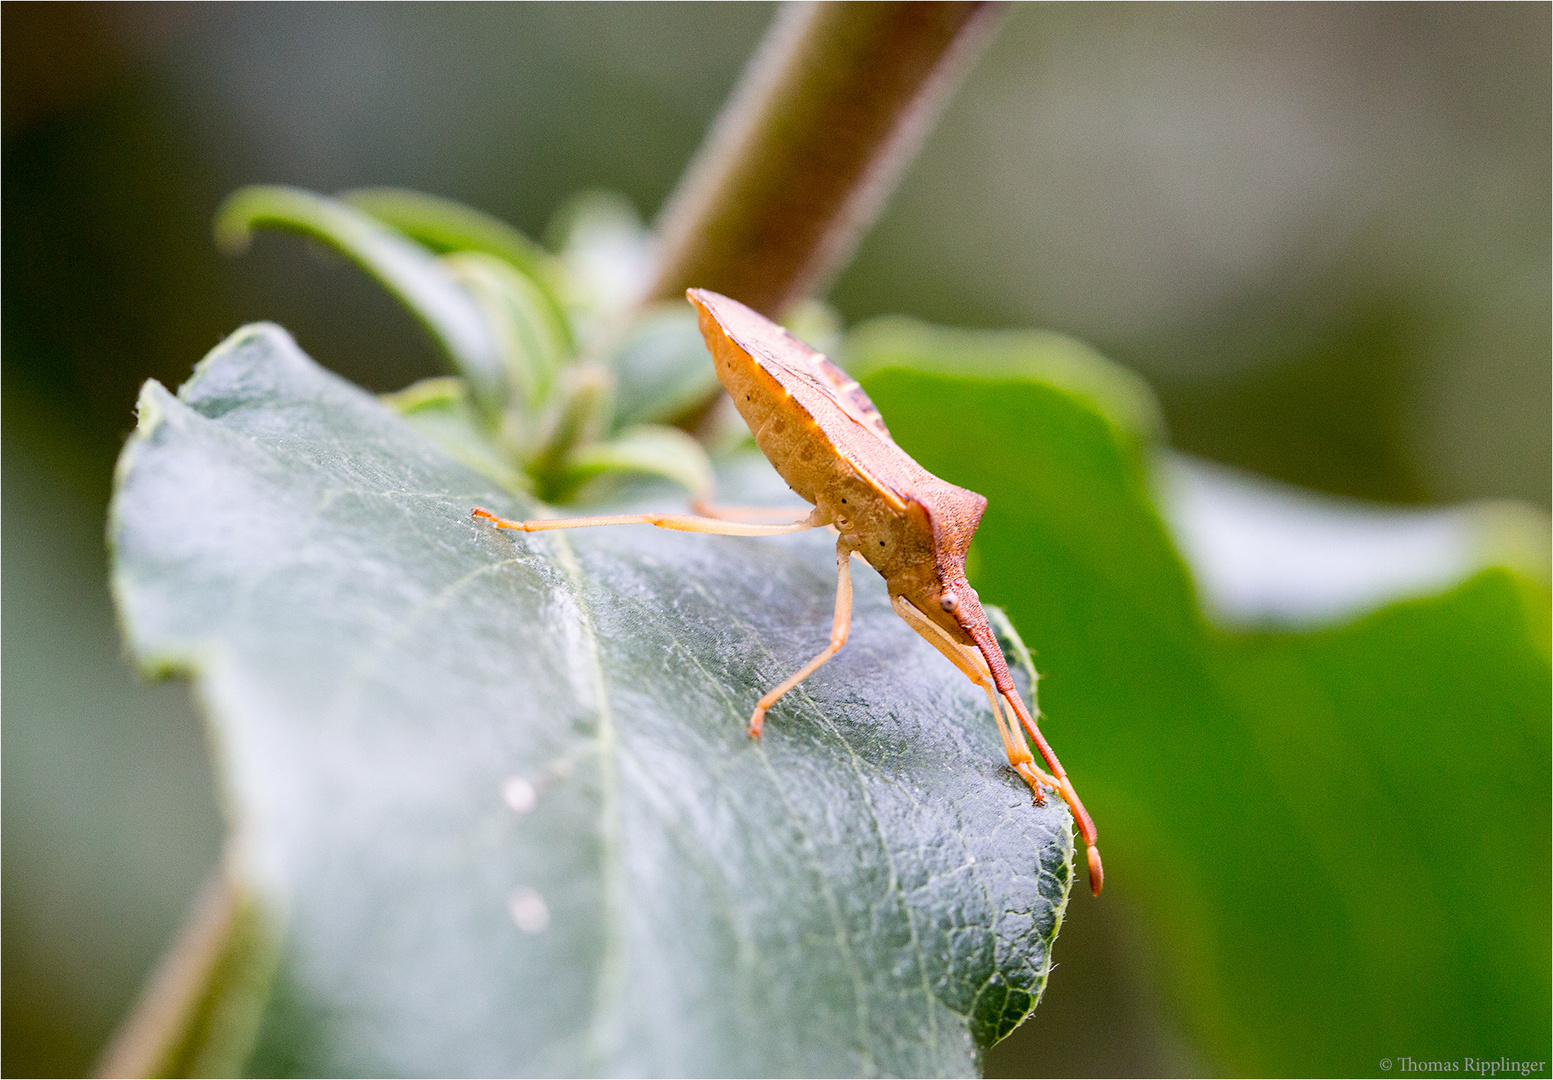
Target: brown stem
828,113
199,1009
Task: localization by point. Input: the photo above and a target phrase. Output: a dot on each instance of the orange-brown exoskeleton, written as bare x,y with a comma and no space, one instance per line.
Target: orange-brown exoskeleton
826,439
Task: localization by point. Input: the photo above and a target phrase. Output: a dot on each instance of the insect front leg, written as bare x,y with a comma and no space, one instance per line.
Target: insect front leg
747,513
974,665
840,627
677,522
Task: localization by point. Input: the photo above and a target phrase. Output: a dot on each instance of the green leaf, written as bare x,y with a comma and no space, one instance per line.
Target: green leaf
441,410
406,269
650,449
578,414
445,225
448,226
1340,834
1055,360
1267,554
494,790
816,324
661,368
608,255
531,338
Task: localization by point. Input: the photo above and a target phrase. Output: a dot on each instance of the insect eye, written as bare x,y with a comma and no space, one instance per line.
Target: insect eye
949,602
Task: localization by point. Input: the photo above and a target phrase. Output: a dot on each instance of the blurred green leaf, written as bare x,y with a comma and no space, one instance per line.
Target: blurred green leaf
651,449
661,368
1266,554
441,411
1342,835
445,226
406,269
530,335
607,253
496,791
578,414
1109,390
816,324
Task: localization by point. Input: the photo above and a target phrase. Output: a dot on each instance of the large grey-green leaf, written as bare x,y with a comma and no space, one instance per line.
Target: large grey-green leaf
496,793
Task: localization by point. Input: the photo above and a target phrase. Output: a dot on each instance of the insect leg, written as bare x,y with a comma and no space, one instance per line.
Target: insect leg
971,662
677,522
1019,756
841,625
1064,786
731,513
1086,825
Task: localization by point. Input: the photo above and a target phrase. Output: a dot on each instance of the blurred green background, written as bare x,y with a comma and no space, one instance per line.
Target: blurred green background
1320,233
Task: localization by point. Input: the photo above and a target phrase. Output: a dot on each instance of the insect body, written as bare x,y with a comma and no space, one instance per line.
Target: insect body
826,439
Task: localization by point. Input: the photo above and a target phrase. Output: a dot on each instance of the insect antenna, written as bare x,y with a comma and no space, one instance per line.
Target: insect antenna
1086,825
988,646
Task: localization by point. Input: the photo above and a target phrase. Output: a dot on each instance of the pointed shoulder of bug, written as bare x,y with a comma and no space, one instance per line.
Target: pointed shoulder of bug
813,422
790,361
823,434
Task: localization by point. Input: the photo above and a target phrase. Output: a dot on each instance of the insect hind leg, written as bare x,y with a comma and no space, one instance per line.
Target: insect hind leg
974,665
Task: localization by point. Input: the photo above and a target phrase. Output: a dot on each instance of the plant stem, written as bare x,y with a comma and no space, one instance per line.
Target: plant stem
198,1012
830,110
